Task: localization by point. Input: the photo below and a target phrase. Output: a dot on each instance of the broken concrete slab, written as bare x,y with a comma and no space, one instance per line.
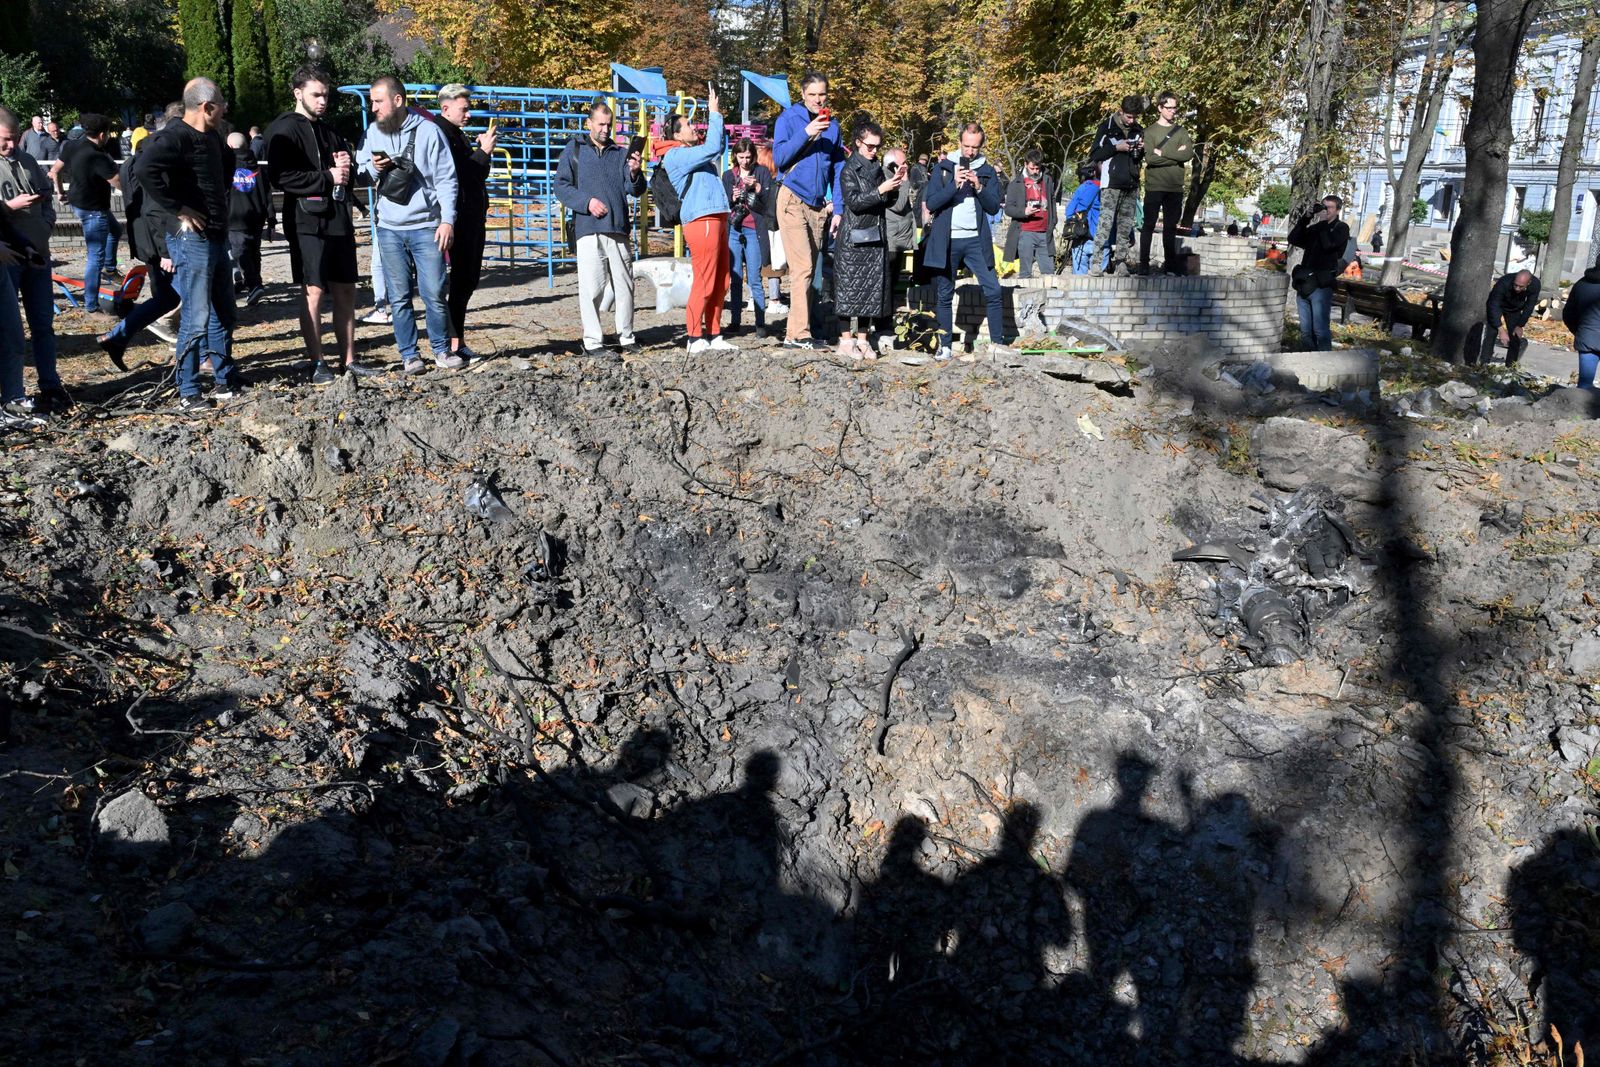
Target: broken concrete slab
1291,452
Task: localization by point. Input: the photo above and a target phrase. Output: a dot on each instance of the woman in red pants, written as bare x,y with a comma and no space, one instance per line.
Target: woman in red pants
697,179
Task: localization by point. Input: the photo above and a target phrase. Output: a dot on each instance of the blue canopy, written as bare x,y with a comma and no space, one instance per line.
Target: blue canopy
647,82
774,87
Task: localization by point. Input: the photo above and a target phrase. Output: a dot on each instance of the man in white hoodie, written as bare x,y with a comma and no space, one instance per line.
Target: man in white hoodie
408,159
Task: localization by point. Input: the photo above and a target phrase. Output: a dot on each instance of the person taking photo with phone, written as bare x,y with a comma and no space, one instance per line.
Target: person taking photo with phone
808,155
963,191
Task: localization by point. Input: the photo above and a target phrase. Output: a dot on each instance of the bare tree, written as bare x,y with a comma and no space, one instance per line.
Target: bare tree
1447,29
1496,43
1326,82
1586,26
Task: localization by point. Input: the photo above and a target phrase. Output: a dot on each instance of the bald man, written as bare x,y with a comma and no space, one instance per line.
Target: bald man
1511,304
187,175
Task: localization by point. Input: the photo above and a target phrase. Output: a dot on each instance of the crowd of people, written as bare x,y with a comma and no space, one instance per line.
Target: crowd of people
197,197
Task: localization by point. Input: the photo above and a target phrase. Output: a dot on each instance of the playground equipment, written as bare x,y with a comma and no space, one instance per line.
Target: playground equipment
123,297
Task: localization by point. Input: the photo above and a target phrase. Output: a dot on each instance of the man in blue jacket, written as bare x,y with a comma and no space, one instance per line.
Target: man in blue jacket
963,191
1085,201
593,179
807,153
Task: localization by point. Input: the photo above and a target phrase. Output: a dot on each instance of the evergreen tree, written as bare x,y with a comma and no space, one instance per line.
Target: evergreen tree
280,57
204,44
252,81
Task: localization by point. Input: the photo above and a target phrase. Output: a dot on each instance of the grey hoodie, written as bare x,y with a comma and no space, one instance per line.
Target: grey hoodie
433,193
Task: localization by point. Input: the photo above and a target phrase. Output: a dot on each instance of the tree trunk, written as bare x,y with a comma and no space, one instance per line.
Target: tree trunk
1326,82
1571,150
1437,66
1502,26
1202,169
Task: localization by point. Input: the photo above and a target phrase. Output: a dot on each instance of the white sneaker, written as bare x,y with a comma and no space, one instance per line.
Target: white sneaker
162,332
698,345
718,344
378,316
777,307
943,355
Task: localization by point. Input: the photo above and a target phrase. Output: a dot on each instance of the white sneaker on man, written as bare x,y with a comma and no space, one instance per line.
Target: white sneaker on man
719,344
943,355
697,345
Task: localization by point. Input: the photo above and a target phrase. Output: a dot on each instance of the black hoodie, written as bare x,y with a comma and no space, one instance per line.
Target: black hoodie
1121,168
299,156
251,204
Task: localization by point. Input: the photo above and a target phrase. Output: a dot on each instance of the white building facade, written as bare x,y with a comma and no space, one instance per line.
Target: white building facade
1539,125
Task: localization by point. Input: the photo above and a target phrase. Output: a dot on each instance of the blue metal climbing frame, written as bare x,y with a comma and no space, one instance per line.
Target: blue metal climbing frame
526,222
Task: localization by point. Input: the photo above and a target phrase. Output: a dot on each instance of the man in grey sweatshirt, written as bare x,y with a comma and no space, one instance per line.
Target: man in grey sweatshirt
408,159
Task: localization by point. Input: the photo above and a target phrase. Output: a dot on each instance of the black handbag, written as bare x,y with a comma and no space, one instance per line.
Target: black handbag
395,183
866,235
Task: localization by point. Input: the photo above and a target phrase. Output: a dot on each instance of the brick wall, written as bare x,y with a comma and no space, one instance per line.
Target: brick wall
1222,255
1236,318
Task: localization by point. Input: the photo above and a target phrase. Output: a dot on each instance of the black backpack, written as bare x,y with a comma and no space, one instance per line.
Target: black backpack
664,196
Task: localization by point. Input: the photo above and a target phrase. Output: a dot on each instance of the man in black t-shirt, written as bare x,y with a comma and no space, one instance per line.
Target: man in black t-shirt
90,173
311,163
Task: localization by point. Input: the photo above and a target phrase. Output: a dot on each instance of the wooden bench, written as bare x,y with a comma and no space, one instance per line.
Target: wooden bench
1384,303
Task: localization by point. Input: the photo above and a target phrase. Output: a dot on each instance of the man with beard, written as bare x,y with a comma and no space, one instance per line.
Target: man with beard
408,159
472,207
311,163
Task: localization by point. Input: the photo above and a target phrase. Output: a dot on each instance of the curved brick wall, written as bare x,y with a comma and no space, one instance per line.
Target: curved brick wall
1238,317
1223,255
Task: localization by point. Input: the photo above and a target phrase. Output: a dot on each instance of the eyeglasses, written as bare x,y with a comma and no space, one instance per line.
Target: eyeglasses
1167,107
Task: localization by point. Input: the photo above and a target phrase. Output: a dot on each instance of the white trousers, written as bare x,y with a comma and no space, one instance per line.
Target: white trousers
604,257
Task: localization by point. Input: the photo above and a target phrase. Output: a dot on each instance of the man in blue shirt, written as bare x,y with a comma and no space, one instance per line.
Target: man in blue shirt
807,152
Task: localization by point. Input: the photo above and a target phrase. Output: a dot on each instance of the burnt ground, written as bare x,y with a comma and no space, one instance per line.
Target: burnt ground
776,710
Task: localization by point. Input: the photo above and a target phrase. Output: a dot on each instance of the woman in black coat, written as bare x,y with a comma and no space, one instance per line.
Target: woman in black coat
750,191
861,286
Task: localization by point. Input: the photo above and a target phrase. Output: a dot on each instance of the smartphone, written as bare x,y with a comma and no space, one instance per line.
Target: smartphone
891,168
825,114
379,155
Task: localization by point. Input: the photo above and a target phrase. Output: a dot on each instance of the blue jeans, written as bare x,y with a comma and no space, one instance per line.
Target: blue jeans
1588,363
969,252
101,232
33,284
745,244
163,298
401,250
203,277
11,387
1315,334
1080,256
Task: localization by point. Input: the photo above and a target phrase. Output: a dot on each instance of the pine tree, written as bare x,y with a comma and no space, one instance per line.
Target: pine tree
280,65
204,44
252,81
